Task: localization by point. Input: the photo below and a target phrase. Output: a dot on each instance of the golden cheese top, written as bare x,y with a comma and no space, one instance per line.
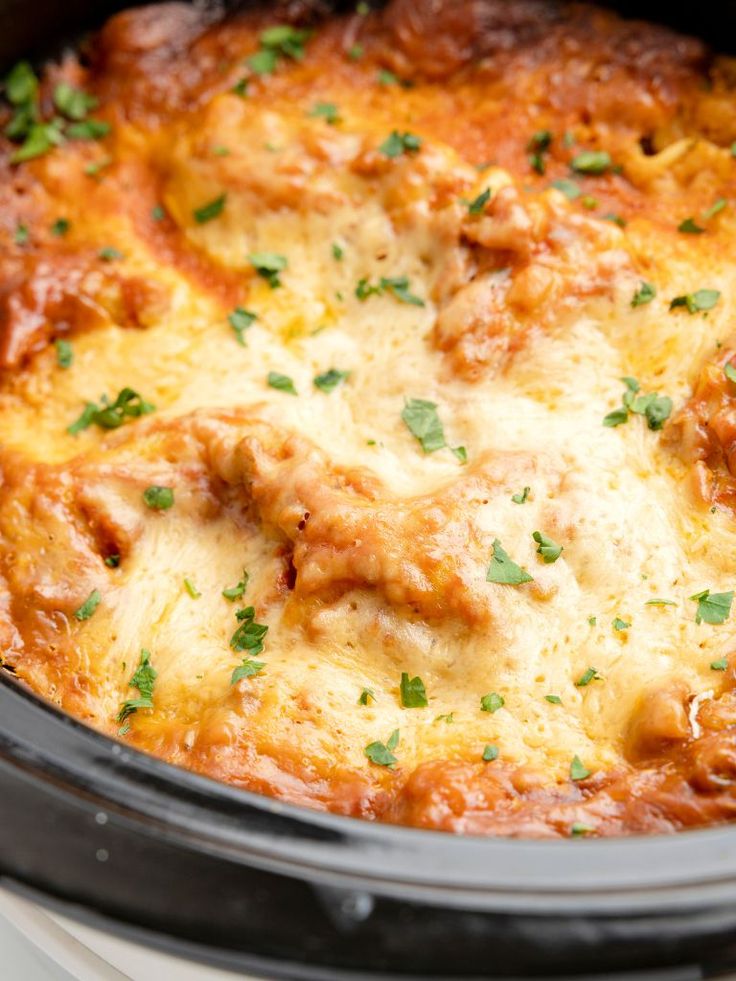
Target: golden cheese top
374,292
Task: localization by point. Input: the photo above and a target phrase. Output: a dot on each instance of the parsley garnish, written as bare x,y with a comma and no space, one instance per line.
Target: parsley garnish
655,408
365,695
690,227
113,561
191,589
398,143
237,592
660,602
548,549
478,205
21,235
398,285
382,755
355,53
592,621
247,669
422,421
590,674
248,637
618,624
717,206
282,383
521,498
537,146
571,189
327,111
720,665
88,129
60,227
577,829
490,753
713,607
72,102
210,210
492,702
460,452
645,294
503,570
697,301
413,692
337,251
143,679
64,353
110,254
128,405
281,40
269,265
578,770
730,372
329,380
591,162
448,718
158,212
240,320
615,219
158,498
553,699
89,606
385,77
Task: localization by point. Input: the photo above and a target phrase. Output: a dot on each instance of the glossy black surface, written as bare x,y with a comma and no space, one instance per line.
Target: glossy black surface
122,840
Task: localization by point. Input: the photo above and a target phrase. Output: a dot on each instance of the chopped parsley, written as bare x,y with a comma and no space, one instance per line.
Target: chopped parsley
537,146
240,320
248,638
571,189
413,692
89,606
110,254
490,753
385,77
594,162
382,755
422,421
281,40
21,235
241,88
645,294
94,167
72,102
397,285
523,497
503,570
329,380
158,498
337,251
696,302
720,665
247,669
553,699
589,202
578,829
212,209
282,383
478,205
237,591
578,770
128,405
448,718
614,219
592,621
158,212
143,679
399,143
113,561
327,111
460,452
547,548
655,408
590,674
191,589
355,52
718,205
60,227
690,227
618,624
88,129
730,372
365,694
269,265
492,702
660,602
64,353
713,607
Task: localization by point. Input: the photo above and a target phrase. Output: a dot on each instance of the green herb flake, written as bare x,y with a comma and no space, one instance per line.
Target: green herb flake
696,302
89,129
571,189
660,602
712,608
590,674
385,77
355,52
110,254
158,498
113,561
365,694
128,405
547,548
212,209
478,205
337,251
64,353
89,606
690,227
553,699
263,62
247,669
382,755
143,679
460,452
21,84
413,692
593,162
422,421
503,570
645,294
492,702
60,227
399,143
237,591
327,111
720,665
240,320
268,265
490,753
730,372
191,589
578,829
718,205
578,770
448,718
93,168
329,380
282,383
523,497
618,624
614,219
592,621
249,635
241,88
72,102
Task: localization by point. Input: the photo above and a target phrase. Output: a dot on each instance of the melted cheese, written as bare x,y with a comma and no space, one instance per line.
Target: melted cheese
393,578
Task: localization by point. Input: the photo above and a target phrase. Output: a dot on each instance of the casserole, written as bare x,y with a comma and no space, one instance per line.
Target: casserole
357,908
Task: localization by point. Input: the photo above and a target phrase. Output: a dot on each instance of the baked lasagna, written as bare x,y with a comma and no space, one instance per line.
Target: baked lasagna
368,407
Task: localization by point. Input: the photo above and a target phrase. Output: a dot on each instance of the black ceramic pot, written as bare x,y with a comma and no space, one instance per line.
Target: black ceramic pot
174,860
